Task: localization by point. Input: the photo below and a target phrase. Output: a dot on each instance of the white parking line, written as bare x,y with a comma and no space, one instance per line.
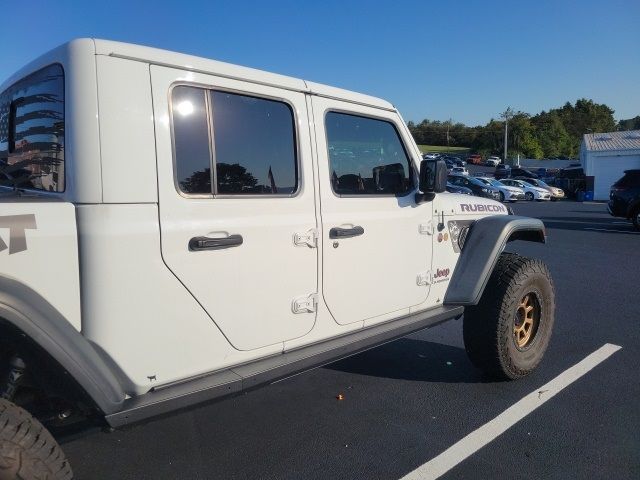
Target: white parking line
489,431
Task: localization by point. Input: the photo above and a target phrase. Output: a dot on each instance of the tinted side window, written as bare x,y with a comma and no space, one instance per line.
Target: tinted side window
254,141
366,156
32,132
191,140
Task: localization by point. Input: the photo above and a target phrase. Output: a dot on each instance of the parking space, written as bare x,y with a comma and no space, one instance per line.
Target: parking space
408,401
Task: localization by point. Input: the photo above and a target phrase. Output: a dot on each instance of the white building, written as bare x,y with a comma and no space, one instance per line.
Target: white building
605,157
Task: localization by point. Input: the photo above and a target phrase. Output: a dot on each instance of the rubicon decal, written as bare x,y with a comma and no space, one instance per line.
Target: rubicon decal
17,224
480,207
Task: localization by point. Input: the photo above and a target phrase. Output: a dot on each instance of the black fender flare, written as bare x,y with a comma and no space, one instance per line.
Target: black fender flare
483,245
35,317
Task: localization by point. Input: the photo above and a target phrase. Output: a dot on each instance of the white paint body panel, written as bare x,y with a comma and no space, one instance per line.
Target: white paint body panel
127,139
49,265
136,310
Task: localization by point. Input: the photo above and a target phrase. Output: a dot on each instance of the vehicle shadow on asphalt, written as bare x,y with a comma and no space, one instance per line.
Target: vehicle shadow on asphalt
410,359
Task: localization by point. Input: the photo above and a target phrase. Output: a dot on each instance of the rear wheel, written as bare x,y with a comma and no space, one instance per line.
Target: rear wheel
27,449
635,218
507,333
529,196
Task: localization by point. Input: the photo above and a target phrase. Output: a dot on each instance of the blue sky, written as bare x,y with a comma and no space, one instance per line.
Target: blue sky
465,60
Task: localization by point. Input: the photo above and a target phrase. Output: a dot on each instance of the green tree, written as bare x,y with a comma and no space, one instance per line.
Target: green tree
630,123
552,136
522,139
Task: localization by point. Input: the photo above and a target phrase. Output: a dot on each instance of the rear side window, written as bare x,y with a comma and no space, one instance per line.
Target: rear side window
191,140
231,144
366,156
254,145
32,132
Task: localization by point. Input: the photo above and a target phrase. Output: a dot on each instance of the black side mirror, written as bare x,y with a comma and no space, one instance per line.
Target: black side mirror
433,176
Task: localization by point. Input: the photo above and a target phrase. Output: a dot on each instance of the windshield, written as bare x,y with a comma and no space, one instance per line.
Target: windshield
476,181
494,182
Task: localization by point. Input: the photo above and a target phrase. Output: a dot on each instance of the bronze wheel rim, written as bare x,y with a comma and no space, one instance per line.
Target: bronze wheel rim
526,321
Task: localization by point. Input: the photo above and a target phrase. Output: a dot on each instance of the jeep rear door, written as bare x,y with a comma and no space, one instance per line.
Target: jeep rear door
237,208
376,241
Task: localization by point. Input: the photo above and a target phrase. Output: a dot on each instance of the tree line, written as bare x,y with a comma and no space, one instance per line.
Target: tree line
556,133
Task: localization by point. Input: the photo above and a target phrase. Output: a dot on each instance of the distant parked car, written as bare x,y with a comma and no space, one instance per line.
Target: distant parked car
478,188
556,193
430,156
474,159
530,192
522,172
507,193
571,179
493,161
454,161
451,188
460,171
502,171
624,198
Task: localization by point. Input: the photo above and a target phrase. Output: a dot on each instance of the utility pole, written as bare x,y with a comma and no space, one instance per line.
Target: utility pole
507,114
448,125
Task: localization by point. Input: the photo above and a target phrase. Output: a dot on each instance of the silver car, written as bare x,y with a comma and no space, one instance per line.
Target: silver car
556,193
507,193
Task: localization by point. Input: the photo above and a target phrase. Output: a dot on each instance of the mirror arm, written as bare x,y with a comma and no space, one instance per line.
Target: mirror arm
421,197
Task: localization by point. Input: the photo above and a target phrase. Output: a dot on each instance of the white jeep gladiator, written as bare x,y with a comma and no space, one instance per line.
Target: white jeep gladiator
175,230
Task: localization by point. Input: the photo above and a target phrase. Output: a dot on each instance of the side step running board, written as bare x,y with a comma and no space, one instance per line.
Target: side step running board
235,380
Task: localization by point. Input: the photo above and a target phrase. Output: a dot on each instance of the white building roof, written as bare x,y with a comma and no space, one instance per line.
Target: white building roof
612,141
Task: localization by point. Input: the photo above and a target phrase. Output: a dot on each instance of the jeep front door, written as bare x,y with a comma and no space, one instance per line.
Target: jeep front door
376,241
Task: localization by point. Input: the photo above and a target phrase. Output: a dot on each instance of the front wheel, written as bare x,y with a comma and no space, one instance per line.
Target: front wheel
501,197
529,196
27,449
507,333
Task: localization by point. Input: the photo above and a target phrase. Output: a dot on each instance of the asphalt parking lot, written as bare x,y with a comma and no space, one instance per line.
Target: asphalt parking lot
408,401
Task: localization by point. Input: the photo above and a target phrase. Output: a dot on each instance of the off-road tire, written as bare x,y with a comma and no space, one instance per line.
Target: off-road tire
488,327
27,449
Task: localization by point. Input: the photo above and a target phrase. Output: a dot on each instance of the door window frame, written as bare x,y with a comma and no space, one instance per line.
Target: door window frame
207,89
412,172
